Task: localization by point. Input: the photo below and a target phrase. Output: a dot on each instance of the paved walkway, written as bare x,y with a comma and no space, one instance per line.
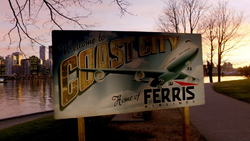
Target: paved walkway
221,118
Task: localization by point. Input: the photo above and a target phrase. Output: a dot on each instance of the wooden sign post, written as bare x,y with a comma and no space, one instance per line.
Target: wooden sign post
81,129
186,124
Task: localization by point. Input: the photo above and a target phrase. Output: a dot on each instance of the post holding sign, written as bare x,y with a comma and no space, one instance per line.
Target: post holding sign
113,72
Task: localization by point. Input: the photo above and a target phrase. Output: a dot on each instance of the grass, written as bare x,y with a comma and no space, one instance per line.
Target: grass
48,129
238,89
42,129
158,125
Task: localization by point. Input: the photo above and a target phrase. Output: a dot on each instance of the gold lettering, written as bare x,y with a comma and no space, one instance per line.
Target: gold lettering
174,41
86,60
162,44
69,89
143,49
128,41
115,46
154,44
102,56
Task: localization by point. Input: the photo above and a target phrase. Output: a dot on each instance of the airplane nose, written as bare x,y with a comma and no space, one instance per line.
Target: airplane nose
194,50
187,52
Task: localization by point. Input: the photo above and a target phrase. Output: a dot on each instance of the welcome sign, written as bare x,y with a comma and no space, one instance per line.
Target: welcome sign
113,72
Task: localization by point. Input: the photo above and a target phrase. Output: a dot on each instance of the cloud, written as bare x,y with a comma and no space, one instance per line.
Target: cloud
137,62
86,105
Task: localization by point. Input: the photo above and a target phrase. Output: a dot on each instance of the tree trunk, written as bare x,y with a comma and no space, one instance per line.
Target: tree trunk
210,71
219,67
211,65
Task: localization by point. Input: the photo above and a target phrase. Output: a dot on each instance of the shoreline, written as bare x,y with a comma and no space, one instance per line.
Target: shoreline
9,122
26,115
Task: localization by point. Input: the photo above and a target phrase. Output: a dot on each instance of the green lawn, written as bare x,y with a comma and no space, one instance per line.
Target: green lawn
238,89
42,129
49,129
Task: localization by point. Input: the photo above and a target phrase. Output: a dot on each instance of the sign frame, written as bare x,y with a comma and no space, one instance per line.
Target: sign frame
112,56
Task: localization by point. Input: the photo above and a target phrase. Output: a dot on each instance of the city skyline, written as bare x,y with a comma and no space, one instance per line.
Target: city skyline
16,65
47,54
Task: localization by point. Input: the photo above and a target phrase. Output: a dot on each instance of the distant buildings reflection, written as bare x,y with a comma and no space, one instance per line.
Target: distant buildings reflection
226,69
20,97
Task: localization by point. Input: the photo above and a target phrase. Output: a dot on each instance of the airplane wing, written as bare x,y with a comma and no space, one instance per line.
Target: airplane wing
188,80
183,76
187,77
148,73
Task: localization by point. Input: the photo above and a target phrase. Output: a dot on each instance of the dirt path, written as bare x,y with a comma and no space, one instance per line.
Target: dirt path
163,125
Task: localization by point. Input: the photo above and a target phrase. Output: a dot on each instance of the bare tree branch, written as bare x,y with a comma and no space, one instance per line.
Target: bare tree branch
123,5
26,13
169,20
177,13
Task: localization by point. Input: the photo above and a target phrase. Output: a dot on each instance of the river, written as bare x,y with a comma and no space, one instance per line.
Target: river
20,97
224,78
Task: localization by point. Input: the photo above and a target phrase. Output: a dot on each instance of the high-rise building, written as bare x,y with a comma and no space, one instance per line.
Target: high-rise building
25,63
16,58
50,66
42,65
42,52
2,66
17,70
50,52
16,63
33,65
8,65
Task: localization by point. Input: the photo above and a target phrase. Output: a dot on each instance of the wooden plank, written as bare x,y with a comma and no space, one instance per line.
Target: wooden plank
186,124
81,129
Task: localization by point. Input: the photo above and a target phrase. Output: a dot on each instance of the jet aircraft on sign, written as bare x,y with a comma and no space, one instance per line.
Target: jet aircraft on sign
170,70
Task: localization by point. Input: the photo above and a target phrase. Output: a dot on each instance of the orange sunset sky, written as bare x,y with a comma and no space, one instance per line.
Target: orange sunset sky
106,17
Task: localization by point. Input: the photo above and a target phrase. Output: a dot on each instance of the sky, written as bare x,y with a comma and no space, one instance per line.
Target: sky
106,16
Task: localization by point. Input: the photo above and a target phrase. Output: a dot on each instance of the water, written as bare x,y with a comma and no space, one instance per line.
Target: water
20,97
224,78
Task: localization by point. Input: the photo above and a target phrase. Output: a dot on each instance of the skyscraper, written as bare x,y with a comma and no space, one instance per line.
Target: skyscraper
50,61
50,52
2,66
16,58
25,63
42,52
8,65
16,63
33,60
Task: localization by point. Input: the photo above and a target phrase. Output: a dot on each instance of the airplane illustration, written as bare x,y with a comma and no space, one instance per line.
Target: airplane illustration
170,70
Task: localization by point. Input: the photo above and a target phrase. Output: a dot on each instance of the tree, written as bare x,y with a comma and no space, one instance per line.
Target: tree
245,71
169,21
209,36
25,16
195,9
181,15
226,25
